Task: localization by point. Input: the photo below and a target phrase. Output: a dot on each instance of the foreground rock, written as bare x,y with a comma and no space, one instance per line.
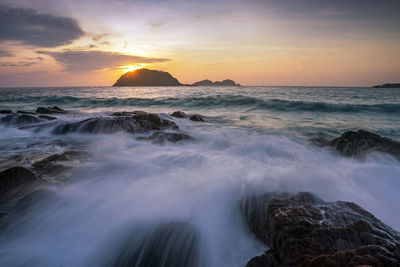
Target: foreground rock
161,137
182,115
361,143
146,77
131,122
303,230
50,110
57,163
15,177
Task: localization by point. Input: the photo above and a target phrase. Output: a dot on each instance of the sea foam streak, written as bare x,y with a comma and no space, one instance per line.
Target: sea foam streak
134,193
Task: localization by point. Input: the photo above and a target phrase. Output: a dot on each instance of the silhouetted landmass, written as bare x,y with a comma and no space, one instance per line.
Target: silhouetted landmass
146,77
226,82
388,85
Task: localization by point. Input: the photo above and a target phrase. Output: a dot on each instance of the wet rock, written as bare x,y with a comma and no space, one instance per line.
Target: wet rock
303,230
131,122
162,137
174,244
5,111
49,118
50,110
178,114
23,119
26,112
15,177
58,163
318,141
362,142
196,117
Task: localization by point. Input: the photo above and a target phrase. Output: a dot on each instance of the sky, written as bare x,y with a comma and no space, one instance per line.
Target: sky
254,42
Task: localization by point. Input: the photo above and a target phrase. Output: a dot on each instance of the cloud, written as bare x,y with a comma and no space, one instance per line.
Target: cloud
77,61
18,64
4,53
44,30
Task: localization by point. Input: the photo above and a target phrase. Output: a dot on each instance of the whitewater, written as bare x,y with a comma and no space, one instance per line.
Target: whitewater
186,195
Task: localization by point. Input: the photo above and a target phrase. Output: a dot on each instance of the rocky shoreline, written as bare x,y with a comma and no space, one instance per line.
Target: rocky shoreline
300,230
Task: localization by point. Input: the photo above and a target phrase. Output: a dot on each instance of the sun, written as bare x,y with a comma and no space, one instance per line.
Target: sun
128,68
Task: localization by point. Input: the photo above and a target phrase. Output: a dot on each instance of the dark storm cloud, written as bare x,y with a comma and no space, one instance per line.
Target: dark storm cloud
18,64
44,30
75,61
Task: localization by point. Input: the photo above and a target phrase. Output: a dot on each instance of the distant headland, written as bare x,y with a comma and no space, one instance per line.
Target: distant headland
147,77
388,85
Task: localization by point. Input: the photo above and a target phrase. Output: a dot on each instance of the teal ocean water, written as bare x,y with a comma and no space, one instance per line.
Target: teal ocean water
254,139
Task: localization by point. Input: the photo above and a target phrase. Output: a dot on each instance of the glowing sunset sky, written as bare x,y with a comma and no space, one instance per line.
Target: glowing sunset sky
254,42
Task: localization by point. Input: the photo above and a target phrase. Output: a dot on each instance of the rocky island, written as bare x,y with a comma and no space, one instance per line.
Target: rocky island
147,77
388,85
226,82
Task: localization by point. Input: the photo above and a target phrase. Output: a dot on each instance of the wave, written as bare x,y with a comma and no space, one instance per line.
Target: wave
209,102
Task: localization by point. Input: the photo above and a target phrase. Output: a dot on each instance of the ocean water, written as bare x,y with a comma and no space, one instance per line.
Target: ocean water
129,191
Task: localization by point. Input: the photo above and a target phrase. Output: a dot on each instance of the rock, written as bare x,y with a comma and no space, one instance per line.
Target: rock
178,114
303,230
362,142
57,163
318,141
50,110
146,77
131,122
175,244
26,112
162,137
5,111
226,82
34,198
15,177
23,119
196,117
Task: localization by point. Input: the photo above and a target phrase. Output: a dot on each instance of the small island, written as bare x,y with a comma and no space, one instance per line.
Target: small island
147,77
388,85
226,82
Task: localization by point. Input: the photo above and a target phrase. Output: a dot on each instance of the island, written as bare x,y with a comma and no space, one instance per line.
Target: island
388,85
147,77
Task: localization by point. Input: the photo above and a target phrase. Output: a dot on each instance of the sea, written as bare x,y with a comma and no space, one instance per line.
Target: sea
254,140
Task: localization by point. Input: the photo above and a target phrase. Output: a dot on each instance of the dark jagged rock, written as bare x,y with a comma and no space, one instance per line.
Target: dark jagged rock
5,111
50,110
174,244
57,163
15,177
303,230
388,85
226,82
362,142
23,119
162,137
179,114
131,122
196,117
146,77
